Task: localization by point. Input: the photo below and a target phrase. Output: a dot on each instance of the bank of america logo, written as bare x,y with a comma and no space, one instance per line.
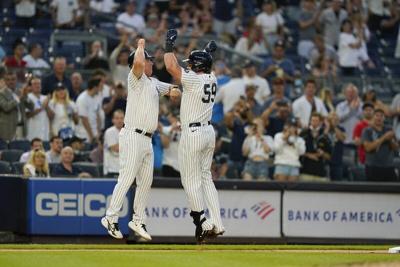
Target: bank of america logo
262,209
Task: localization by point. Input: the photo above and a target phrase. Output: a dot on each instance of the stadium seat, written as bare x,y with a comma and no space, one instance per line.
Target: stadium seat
100,168
88,167
18,167
3,144
23,145
5,167
357,173
11,155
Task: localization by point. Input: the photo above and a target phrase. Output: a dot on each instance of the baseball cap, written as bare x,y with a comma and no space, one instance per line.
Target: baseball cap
248,64
279,43
292,122
59,86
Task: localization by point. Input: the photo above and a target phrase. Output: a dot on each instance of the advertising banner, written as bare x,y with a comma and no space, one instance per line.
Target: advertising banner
341,215
72,206
244,213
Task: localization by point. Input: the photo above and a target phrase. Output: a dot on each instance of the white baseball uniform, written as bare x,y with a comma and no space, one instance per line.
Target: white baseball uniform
197,144
135,149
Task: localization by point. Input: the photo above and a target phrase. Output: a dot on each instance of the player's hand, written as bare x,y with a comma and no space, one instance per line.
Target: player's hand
170,39
211,46
175,92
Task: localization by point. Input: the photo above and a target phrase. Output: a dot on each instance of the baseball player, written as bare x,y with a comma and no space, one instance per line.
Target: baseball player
135,148
197,142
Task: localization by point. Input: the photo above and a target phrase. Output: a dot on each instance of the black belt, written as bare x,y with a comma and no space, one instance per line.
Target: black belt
198,124
139,131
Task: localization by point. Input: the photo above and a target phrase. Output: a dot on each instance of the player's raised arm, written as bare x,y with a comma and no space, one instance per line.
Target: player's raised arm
171,63
139,60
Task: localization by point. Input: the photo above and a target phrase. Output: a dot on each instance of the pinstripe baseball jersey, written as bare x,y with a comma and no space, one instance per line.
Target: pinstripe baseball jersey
198,97
143,102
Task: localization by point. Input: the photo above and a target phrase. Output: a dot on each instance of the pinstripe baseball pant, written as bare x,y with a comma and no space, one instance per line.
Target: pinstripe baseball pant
135,160
196,150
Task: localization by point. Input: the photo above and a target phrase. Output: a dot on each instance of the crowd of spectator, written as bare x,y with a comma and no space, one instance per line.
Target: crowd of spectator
271,122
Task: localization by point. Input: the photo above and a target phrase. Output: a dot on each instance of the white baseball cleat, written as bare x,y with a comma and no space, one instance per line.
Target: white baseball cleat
112,228
140,229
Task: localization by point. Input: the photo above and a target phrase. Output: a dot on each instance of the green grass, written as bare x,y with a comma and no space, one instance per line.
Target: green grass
187,255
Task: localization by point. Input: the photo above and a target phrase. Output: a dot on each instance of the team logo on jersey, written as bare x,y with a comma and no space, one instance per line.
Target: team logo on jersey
262,209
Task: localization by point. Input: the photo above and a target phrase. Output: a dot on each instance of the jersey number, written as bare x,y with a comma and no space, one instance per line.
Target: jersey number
209,93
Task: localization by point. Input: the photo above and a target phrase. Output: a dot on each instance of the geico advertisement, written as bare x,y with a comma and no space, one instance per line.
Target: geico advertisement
72,206
244,213
341,215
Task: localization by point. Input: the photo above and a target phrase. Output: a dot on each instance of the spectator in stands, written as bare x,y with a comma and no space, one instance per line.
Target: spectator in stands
36,144
78,146
15,61
275,123
113,103
49,83
64,13
370,96
38,118
96,155
327,99
250,77
222,72
34,59
380,145
236,120
256,147
63,112
224,17
336,135
103,6
170,137
111,145
330,20
278,88
66,168
321,51
251,102
318,151
271,23
395,114
308,19
230,93
378,10
77,85
12,107
251,43
37,165
349,111
105,89
368,113
362,32
118,61
159,70
288,148
25,11
129,22
54,154
390,22
155,30
82,15
279,65
89,112
97,59
307,104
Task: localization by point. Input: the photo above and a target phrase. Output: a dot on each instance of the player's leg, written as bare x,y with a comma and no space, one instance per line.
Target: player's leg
208,187
144,180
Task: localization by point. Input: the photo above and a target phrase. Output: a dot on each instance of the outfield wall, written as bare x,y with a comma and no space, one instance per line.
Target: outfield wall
251,211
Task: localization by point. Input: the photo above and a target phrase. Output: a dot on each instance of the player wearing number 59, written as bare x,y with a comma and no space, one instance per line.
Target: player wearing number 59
135,148
197,142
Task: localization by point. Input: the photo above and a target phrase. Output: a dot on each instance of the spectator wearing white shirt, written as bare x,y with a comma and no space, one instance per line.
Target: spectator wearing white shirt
288,148
64,12
63,112
118,61
111,145
271,23
251,44
257,147
170,136
38,124
307,104
34,59
54,154
230,93
349,111
250,77
104,92
330,20
129,22
89,112
36,144
25,11
104,6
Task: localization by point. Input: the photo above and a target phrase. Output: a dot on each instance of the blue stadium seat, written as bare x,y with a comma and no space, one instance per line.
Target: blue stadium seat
5,167
88,167
11,155
23,145
3,144
18,167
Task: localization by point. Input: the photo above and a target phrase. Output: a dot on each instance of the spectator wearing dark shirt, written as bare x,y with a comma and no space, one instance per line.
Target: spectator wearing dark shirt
368,113
380,145
77,144
49,83
336,135
65,167
113,103
77,84
318,151
275,123
159,69
278,89
224,18
97,58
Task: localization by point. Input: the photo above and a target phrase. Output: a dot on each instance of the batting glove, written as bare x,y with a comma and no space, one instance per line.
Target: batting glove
170,39
211,47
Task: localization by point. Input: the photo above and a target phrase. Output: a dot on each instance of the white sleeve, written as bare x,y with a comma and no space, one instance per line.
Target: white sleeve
110,139
189,80
278,142
270,142
83,109
119,25
300,146
258,20
163,88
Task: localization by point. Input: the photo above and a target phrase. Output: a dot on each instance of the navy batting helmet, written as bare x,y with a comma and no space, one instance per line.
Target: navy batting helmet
200,61
132,56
